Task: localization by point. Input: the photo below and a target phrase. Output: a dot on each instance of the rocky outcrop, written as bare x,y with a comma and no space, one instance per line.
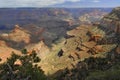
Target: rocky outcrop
84,41
6,51
17,35
41,49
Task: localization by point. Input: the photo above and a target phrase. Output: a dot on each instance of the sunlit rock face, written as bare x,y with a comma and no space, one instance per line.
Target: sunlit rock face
6,51
18,35
41,49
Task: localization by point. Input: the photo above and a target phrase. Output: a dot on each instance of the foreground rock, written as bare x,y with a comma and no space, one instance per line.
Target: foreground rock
6,51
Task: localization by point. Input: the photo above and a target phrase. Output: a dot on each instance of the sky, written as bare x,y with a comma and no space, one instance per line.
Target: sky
59,3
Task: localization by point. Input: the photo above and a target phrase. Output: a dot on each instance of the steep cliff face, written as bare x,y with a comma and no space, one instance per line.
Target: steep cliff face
111,24
112,21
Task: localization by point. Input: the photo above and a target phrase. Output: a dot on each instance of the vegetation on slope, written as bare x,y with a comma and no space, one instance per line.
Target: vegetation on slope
93,69
22,67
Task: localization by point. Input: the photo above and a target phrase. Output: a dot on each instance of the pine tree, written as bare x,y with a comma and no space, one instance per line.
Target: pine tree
22,67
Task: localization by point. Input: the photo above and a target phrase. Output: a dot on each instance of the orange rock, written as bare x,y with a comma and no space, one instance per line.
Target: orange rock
95,37
73,55
18,62
5,52
19,35
98,48
3,43
118,50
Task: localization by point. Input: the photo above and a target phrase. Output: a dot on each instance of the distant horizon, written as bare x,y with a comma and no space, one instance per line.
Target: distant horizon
59,3
53,7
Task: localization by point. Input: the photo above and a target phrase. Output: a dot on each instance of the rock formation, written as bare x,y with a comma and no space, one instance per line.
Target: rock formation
6,51
41,49
17,35
84,41
112,21
111,24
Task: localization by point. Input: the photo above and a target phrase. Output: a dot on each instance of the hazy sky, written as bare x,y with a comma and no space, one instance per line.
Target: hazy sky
59,3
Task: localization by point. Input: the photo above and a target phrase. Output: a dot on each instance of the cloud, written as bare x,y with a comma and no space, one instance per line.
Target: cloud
32,3
89,1
96,1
